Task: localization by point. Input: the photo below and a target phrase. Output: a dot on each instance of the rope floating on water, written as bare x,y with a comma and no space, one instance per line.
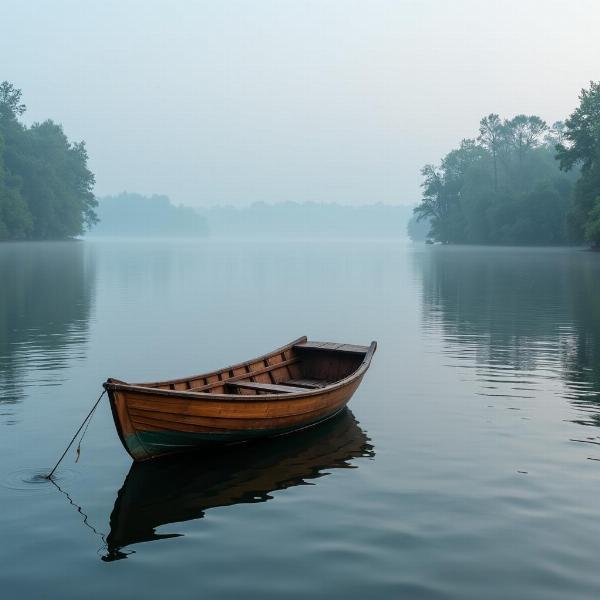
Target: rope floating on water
86,420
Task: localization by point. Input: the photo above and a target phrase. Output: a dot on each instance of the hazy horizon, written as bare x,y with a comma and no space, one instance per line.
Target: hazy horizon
230,104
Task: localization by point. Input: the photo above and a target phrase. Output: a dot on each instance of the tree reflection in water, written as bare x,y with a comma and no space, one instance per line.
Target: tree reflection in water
520,315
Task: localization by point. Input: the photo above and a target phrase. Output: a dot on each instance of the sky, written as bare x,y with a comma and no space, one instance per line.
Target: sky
232,102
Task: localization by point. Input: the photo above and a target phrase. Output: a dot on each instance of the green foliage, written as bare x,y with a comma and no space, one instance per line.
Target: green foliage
45,185
581,139
592,225
15,218
580,147
10,101
503,188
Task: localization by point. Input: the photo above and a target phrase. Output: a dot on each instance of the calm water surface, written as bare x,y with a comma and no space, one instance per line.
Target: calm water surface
468,467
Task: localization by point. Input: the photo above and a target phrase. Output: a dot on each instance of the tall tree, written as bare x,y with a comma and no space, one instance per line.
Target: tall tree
523,133
15,218
491,137
581,148
582,129
432,205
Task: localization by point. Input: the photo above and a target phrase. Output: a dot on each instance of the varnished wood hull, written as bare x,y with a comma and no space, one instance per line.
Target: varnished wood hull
238,404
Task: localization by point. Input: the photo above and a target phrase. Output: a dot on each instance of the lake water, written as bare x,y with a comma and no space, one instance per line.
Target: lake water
468,467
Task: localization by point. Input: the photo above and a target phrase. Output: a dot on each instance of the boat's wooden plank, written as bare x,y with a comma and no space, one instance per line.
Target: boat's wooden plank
145,423
225,421
247,375
174,422
243,409
311,384
330,346
254,408
309,345
270,373
353,348
277,358
260,372
265,387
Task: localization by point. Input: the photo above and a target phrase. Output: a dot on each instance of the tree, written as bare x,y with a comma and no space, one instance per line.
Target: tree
592,226
503,188
523,133
46,189
10,101
15,218
491,137
432,203
581,149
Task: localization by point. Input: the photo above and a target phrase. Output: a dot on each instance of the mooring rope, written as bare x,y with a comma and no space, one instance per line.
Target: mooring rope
86,420
80,511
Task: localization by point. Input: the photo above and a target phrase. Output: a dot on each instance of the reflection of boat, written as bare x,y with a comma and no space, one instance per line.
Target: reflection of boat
293,387
181,488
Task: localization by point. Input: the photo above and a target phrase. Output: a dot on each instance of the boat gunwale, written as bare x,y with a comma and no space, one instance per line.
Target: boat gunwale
115,385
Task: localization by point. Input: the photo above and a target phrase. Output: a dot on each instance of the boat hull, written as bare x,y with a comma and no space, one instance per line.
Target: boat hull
147,430
157,419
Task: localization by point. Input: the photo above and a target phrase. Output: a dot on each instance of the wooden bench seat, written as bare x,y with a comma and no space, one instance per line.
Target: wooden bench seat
265,387
311,384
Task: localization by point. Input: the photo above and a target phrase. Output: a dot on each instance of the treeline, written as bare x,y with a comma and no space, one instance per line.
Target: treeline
306,220
520,182
45,185
134,215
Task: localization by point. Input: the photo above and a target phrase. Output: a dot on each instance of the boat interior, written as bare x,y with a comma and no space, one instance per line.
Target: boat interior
296,368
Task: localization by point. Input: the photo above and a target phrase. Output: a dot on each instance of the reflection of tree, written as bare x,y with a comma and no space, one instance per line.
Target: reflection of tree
519,308
582,358
175,489
45,299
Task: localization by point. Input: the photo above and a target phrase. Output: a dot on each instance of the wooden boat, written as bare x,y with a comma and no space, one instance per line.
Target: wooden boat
179,489
296,386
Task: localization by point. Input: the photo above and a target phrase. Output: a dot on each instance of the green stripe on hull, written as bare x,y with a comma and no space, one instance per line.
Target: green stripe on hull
145,444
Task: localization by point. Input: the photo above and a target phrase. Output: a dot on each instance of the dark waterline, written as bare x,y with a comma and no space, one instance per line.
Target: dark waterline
468,466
